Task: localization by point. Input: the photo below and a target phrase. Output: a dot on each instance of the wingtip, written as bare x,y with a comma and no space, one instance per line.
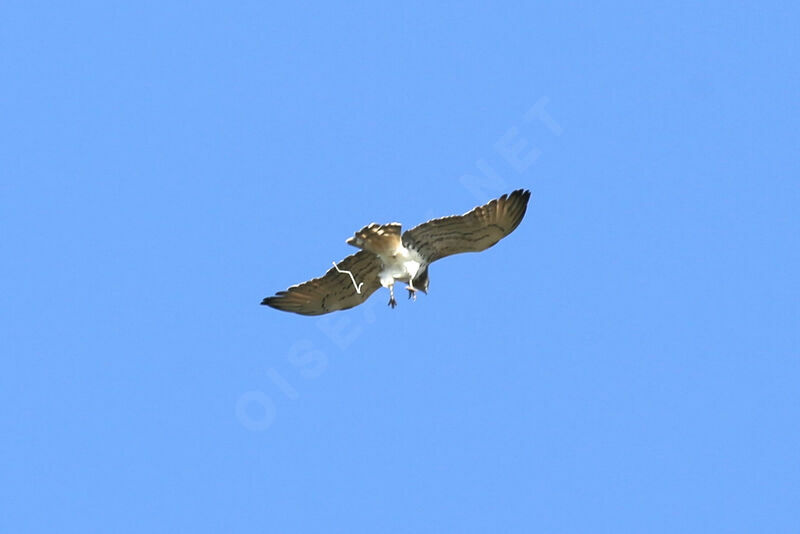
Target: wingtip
523,194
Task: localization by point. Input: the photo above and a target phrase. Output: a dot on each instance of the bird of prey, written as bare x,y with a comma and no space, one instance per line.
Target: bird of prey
387,256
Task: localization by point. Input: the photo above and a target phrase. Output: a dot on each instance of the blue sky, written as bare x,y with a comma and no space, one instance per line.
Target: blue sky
627,361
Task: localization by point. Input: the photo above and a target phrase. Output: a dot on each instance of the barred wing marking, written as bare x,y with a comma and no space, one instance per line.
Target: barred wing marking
474,231
333,291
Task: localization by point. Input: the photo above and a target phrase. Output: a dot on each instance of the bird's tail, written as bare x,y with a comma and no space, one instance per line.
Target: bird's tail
378,238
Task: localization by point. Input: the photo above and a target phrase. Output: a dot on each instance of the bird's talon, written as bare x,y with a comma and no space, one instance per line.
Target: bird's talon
392,303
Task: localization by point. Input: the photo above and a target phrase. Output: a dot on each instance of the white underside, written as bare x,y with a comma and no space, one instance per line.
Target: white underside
402,266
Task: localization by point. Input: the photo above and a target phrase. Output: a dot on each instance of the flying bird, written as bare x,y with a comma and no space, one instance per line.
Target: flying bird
388,256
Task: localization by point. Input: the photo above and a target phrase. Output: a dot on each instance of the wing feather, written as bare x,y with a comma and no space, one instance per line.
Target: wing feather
473,231
333,291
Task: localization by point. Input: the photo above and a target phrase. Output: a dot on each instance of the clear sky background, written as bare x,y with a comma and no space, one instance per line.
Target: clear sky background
627,361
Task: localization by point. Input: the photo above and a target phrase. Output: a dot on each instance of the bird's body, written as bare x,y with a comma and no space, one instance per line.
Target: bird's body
400,266
398,262
388,256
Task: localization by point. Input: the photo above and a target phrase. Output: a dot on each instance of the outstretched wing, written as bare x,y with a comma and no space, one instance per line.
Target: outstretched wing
335,290
474,231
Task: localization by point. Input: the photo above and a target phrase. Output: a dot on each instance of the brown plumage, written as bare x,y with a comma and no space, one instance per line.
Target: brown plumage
475,231
333,291
377,238
387,256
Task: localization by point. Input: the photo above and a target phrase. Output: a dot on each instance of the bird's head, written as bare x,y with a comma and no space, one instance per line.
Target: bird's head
421,280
